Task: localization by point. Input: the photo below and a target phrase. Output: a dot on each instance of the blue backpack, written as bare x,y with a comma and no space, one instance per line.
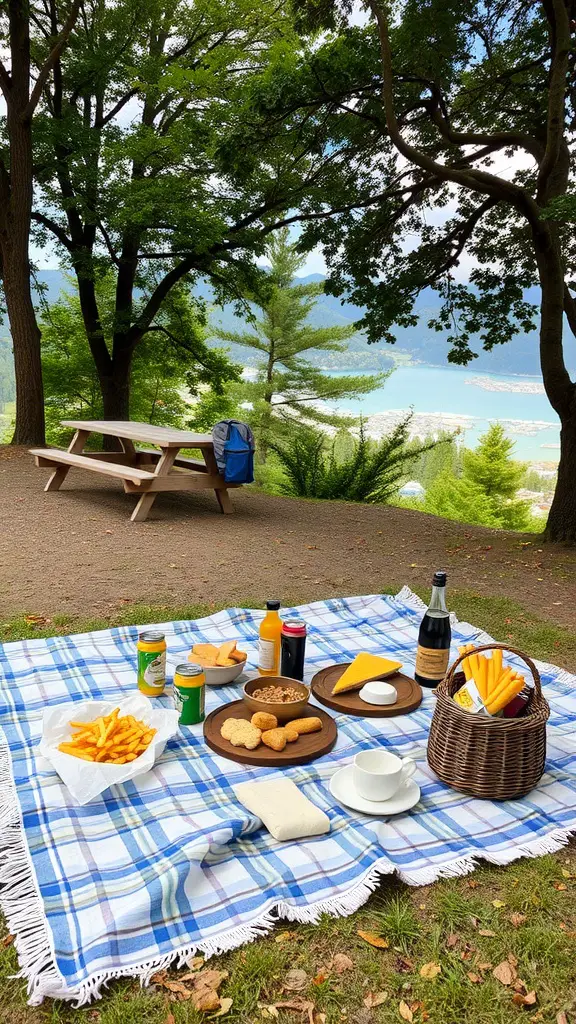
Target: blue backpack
234,451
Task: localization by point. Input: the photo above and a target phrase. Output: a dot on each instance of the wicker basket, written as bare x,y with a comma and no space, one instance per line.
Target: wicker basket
491,758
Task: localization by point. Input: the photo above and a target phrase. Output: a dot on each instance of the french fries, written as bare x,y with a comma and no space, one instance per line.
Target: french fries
110,739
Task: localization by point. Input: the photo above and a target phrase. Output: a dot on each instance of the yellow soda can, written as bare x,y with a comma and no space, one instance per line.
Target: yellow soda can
189,691
151,648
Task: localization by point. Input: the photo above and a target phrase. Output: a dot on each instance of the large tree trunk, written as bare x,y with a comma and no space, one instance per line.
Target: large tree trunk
115,388
26,343
561,525
560,389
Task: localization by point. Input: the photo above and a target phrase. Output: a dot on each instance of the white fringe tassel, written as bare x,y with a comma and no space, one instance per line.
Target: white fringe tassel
22,905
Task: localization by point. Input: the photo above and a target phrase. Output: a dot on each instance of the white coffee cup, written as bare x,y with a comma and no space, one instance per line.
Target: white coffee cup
379,774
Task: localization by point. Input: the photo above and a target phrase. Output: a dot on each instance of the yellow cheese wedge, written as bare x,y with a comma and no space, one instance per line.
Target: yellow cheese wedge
364,668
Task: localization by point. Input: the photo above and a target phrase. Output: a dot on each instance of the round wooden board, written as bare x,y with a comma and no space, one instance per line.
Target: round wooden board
306,748
409,695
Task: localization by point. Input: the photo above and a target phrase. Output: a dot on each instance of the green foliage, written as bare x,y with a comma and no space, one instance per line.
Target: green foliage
485,493
443,456
161,369
370,472
287,389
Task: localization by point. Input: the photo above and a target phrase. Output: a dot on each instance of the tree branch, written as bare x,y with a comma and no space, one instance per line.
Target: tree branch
117,107
559,21
50,61
570,309
55,228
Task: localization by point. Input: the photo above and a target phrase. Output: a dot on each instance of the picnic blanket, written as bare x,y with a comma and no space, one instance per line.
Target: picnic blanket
170,863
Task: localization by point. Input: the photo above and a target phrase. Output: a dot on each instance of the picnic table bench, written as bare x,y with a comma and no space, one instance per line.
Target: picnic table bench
166,470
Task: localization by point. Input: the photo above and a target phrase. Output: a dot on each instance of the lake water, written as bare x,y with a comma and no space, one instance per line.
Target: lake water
441,396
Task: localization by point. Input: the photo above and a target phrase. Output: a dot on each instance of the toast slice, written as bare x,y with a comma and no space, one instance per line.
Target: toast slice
224,652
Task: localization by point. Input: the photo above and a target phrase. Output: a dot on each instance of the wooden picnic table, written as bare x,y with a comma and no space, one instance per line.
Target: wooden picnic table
167,469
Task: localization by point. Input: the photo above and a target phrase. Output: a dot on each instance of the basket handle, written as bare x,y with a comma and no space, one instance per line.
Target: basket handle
497,647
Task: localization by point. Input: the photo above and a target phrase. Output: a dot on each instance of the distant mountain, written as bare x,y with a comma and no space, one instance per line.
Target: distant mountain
418,344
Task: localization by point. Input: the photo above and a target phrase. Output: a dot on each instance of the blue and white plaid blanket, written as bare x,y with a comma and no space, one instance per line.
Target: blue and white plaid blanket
170,863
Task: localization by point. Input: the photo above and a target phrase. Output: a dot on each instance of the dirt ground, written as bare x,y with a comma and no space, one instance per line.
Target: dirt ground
76,551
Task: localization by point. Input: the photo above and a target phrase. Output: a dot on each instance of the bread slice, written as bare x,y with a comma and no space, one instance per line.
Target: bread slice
364,668
224,652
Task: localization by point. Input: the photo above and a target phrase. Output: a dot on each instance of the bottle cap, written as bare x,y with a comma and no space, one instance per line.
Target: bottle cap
439,579
294,627
272,606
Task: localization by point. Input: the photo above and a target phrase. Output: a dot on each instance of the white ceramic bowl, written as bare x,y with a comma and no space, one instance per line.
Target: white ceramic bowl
220,675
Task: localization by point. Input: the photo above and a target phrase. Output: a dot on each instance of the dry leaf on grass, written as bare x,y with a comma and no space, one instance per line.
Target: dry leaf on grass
430,971
517,919
487,933
405,1011
295,980
566,873
285,936
474,978
403,965
340,963
505,973
319,1018
472,883
268,1011
374,999
498,904
301,1006
225,1004
7,941
560,886
170,1019
195,963
561,1018
180,989
374,939
452,940
525,1000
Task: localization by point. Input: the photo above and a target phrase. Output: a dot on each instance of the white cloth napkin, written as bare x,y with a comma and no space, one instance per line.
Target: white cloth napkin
283,809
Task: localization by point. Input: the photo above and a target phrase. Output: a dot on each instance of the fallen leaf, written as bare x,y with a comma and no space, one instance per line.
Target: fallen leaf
452,940
318,978
341,963
302,1006
512,960
403,965
405,1011
295,980
284,936
566,873
485,967
374,939
319,1018
430,971
225,1004
505,973
271,1010
170,1019
375,999
528,1000
472,883
37,620
182,991
487,933
474,978
517,919
560,886
205,989
561,1018
7,941
195,963
498,904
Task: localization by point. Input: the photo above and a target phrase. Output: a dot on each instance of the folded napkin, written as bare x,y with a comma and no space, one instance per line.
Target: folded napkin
283,809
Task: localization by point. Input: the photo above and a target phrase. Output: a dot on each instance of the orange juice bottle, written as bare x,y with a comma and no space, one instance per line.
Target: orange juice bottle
269,642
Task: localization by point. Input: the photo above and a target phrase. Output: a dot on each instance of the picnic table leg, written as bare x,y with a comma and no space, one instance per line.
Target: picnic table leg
163,467
75,447
221,493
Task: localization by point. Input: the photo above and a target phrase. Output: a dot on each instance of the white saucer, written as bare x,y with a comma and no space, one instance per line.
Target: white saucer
343,789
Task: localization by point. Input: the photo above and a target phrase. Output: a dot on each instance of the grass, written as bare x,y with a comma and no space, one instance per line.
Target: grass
527,911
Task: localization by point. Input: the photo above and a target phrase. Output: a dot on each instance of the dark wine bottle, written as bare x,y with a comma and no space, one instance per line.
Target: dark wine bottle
434,637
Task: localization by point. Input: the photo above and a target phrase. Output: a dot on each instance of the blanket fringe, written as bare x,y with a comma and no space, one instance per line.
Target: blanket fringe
22,905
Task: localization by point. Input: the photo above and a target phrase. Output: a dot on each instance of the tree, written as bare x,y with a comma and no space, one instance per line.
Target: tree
22,85
485,493
371,472
438,96
288,388
161,371
155,164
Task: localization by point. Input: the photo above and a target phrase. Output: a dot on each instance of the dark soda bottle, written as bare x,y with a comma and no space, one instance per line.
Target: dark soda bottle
434,637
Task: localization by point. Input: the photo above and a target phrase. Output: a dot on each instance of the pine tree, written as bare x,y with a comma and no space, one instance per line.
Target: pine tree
288,388
485,493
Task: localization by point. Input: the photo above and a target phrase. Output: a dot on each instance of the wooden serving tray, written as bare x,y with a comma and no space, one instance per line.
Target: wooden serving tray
306,748
350,703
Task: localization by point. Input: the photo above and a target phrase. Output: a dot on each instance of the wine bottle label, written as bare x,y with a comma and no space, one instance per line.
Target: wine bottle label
430,663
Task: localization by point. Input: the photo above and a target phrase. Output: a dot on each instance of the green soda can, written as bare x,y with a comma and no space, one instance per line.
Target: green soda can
189,690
